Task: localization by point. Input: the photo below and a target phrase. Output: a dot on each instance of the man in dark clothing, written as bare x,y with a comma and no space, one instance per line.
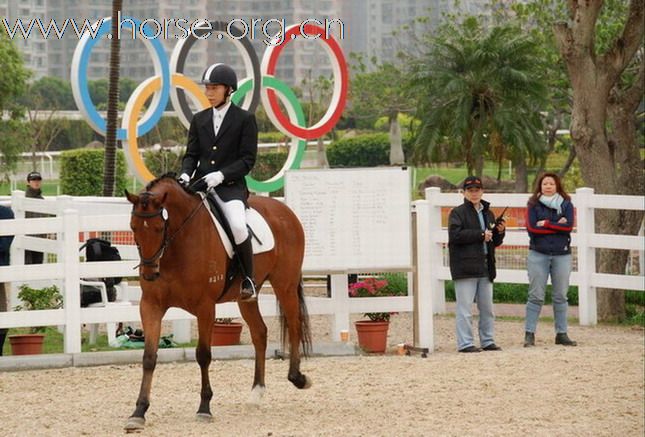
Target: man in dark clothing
5,244
34,181
473,234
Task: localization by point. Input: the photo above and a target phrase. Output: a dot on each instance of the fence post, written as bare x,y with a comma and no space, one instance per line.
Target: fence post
340,303
423,300
435,253
72,295
17,252
181,331
587,309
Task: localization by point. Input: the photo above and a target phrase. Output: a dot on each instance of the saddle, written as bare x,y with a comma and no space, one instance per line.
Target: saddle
262,236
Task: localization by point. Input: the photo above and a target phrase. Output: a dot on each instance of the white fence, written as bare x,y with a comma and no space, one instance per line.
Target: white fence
81,215
76,215
431,238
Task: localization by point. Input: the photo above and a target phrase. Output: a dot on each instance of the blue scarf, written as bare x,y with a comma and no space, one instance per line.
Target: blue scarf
554,202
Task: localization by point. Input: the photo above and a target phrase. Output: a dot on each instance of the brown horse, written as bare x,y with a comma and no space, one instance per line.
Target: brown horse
184,264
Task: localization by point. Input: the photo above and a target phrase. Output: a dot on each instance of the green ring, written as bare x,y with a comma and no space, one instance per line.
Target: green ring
283,88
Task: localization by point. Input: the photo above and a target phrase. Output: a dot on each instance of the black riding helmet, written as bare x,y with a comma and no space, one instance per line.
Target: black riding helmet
220,74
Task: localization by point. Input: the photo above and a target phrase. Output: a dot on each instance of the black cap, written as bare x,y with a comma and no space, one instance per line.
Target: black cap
472,181
218,74
34,176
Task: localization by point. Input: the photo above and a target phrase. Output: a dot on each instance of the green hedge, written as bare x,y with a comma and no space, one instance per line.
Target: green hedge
368,150
81,172
162,161
267,165
271,137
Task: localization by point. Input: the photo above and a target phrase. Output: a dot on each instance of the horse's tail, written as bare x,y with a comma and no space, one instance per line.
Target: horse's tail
305,331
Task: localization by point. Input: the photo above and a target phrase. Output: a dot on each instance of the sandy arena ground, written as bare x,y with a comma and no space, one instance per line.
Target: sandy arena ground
594,389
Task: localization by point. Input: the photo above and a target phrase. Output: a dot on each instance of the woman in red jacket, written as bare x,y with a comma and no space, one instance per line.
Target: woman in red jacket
549,222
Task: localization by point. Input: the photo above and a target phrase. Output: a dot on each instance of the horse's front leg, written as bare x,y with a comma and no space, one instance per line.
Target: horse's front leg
250,312
151,316
203,355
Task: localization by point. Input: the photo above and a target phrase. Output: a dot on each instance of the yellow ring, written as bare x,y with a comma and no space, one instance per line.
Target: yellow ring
141,94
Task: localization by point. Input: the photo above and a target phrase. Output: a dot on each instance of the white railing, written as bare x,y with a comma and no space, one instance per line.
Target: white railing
432,238
81,215
77,215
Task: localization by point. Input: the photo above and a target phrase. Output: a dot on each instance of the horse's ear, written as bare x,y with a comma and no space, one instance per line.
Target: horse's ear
132,198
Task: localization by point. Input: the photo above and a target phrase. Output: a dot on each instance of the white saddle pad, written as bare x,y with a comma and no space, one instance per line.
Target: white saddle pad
258,225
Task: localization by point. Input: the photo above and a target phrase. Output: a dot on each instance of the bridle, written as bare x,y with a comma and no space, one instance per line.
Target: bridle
153,261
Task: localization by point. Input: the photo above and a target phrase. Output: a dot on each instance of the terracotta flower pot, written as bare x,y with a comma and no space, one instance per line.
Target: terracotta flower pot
226,334
372,336
27,344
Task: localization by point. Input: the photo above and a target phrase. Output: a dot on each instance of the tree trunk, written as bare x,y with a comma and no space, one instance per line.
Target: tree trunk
623,145
321,154
479,165
521,174
551,136
396,147
109,167
602,163
569,162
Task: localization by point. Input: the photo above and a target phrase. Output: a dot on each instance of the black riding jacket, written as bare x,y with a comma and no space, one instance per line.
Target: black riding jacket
465,242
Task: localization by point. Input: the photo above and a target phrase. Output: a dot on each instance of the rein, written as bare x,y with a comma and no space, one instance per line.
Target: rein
152,261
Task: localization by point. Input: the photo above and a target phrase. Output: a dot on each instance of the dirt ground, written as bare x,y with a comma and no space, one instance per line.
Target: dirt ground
595,389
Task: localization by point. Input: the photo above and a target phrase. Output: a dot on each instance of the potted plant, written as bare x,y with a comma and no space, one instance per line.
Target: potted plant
372,333
34,299
226,332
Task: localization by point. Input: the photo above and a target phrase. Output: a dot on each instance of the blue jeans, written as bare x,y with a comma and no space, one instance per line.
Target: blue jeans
471,290
540,266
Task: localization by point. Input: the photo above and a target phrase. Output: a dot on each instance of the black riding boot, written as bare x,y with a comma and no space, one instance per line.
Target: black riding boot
245,254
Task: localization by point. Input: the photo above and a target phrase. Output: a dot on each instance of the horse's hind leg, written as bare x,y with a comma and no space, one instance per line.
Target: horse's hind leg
203,355
250,312
294,315
151,320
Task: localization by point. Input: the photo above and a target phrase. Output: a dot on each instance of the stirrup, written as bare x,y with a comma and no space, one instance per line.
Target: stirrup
247,293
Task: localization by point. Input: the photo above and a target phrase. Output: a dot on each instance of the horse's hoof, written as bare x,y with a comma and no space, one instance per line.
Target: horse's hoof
204,417
256,395
135,424
308,382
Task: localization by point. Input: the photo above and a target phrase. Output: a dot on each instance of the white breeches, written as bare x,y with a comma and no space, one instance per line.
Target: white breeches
236,216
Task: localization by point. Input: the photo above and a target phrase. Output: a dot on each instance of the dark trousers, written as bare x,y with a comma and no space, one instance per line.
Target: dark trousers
3,307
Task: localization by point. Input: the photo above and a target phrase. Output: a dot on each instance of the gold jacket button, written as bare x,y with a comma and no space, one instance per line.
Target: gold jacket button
214,147
212,162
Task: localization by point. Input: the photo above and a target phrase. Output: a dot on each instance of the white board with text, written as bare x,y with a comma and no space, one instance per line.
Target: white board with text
354,219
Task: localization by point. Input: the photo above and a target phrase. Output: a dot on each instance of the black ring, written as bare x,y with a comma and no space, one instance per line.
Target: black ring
218,26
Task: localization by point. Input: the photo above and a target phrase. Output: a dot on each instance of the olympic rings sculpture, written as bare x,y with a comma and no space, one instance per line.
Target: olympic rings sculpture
169,83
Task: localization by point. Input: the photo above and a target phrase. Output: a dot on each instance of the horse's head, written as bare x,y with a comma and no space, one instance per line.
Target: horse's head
150,227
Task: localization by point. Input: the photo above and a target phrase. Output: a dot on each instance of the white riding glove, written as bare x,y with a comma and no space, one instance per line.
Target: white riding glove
213,179
184,179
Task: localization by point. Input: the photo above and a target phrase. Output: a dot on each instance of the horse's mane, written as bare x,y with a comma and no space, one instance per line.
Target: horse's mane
169,175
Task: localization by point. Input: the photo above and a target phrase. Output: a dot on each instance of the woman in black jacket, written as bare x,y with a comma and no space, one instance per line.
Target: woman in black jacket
549,221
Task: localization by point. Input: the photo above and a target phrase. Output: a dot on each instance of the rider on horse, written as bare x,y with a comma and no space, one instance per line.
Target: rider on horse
221,150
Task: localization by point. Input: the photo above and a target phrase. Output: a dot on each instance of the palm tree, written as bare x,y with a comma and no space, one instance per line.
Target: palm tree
479,92
109,168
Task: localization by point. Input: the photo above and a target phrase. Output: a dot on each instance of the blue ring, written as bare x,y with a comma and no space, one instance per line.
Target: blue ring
84,90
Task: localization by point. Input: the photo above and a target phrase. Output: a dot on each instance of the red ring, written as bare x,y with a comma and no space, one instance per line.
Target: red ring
312,132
